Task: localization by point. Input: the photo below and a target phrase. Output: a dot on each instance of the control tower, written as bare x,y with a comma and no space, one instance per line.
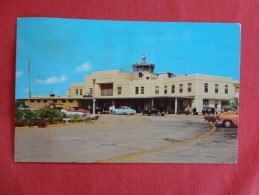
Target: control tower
143,66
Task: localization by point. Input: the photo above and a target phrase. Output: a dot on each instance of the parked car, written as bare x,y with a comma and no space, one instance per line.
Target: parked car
124,110
208,110
152,111
99,110
227,119
76,112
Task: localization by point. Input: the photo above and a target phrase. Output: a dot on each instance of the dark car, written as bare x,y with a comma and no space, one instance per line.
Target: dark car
99,110
208,110
153,111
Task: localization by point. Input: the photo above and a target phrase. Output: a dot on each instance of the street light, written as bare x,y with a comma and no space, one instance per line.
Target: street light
94,80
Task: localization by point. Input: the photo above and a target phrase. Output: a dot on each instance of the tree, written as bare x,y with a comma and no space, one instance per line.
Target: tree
19,102
234,104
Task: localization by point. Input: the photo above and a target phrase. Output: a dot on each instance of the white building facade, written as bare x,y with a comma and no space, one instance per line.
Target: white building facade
143,87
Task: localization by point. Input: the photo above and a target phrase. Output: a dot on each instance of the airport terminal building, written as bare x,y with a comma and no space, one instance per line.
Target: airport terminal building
143,87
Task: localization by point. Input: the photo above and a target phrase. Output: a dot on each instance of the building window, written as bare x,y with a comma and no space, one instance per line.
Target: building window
70,101
136,90
38,101
205,103
189,87
63,101
142,90
31,100
119,90
81,91
45,101
55,101
165,89
226,89
206,87
156,89
91,91
107,89
76,91
173,89
180,88
216,88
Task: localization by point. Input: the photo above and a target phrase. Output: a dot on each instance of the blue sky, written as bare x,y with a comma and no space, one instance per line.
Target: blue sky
63,51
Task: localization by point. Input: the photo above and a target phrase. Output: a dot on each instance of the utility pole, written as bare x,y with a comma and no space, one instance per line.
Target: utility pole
29,75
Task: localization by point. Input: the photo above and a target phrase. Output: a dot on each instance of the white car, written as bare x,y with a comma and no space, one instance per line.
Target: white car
73,112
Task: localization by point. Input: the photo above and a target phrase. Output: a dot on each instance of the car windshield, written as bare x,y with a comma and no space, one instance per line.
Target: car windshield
124,107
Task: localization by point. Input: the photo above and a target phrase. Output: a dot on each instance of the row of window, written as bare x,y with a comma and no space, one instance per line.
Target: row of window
79,92
173,88
54,101
216,88
189,88
142,90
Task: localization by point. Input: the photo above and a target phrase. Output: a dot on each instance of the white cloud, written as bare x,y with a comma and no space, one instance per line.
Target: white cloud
83,68
52,80
19,74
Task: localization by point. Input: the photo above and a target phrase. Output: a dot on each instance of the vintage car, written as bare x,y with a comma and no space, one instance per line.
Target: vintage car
208,110
153,111
98,109
227,119
76,112
124,110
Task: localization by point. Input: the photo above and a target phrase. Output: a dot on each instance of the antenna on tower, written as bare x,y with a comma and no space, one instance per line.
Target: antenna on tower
29,77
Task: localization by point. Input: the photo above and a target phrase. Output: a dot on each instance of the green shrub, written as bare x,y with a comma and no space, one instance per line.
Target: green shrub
19,114
77,119
50,115
37,117
43,117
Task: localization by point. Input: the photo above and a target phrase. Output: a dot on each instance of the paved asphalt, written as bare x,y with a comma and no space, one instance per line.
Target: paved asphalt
129,139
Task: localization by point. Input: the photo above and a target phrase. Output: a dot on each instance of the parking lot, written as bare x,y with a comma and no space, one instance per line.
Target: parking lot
129,139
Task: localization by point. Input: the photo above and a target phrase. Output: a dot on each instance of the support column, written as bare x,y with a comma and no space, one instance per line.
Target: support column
198,103
175,105
152,102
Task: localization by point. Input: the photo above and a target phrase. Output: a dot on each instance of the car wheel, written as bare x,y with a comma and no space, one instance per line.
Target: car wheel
227,124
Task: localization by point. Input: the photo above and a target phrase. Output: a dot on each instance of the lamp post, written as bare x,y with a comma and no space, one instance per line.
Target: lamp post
94,80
